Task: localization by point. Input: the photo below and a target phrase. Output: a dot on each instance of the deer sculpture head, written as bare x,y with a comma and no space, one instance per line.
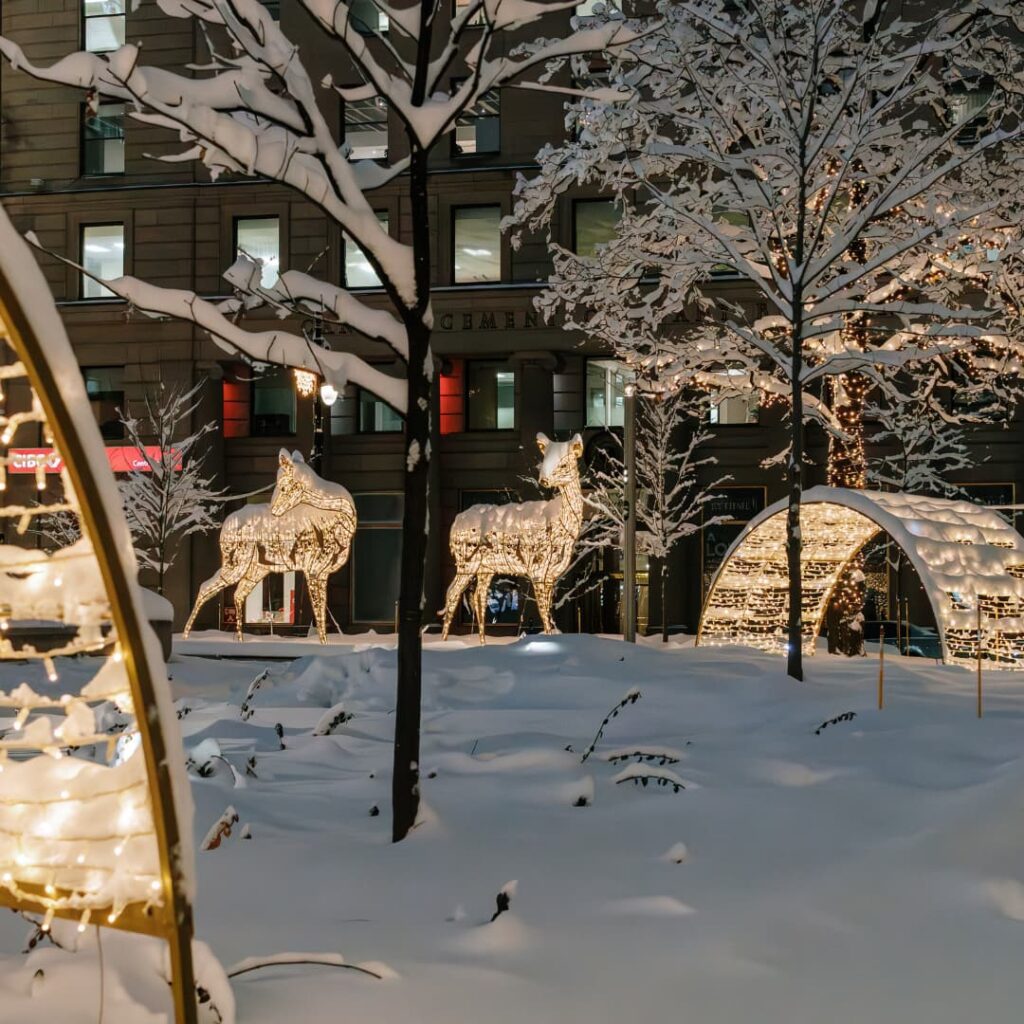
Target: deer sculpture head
558,467
292,486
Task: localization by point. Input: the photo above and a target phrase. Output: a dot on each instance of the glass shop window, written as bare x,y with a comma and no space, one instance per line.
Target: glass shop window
366,128
595,222
376,557
104,387
476,234
273,404
273,600
377,417
103,139
490,395
358,271
367,17
606,392
260,239
102,256
103,22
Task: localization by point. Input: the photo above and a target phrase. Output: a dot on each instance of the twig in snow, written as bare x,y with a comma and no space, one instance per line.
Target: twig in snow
246,710
631,698
221,829
846,716
331,720
504,898
257,963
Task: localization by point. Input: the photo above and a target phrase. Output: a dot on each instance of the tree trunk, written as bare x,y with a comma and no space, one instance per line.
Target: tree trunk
405,794
794,645
663,579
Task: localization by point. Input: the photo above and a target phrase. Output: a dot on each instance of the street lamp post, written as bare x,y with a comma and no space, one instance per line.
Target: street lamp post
629,523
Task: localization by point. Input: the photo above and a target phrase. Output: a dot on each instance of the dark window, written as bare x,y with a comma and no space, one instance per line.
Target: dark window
491,395
104,387
367,17
366,128
594,222
103,22
377,417
376,557
478,130
476,243
273,404
103,139
102,248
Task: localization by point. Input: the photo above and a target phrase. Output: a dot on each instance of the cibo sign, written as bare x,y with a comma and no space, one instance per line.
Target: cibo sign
122,459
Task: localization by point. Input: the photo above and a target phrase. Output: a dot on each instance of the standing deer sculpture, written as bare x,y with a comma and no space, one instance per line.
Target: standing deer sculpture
534,539
307,528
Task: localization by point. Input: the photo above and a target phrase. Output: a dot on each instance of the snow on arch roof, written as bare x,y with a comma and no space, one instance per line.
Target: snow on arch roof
964,554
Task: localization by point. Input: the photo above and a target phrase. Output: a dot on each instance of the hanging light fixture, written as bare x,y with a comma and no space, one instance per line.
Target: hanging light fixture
305,383
328,394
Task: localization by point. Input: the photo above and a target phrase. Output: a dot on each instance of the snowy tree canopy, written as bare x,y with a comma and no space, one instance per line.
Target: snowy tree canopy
253,109
856,177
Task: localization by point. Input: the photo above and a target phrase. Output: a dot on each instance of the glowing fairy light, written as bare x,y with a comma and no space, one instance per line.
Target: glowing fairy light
535,539
305,383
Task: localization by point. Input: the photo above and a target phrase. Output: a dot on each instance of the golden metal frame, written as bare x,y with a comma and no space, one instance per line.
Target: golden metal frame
173,920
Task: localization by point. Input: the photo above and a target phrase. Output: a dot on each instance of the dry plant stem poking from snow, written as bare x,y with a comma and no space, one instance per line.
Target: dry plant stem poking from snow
534,539
631,698
307,527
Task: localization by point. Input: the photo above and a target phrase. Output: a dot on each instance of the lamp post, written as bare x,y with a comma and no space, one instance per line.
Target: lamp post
313,330
629,519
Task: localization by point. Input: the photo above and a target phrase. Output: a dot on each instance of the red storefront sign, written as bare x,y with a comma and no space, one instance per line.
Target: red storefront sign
123,459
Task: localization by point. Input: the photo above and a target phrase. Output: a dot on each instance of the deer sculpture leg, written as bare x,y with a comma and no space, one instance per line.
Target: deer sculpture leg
226,577
542,593
255,573
451,601
318,598
483,589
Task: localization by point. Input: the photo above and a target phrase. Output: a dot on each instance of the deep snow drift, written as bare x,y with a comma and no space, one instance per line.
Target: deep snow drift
871,871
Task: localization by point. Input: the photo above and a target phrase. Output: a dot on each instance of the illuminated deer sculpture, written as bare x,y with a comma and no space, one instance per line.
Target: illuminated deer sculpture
307,528
534,539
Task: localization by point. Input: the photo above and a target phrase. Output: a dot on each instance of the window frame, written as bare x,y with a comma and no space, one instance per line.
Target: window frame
83,227
712,405
454,151
468,400
86,370
347,239
86,18
360,432
237,218
345,104
285,373
394,525
83,142
587,361
577,203
453,246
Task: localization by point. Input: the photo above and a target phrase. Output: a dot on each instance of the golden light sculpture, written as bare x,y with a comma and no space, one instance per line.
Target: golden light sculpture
95,825
965,555
533,539
307,527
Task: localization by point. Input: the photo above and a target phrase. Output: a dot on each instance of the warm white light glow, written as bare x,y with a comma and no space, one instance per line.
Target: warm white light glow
328,394
305,383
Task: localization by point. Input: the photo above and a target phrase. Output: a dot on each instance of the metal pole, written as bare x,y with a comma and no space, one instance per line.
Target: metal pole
316,455
629,541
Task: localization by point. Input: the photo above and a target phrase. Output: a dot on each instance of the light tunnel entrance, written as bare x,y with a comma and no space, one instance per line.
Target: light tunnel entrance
967,557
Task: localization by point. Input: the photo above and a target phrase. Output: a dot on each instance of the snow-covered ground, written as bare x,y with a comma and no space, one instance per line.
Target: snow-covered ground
866,873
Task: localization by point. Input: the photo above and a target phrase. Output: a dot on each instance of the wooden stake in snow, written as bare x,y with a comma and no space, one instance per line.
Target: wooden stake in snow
979,657
881,667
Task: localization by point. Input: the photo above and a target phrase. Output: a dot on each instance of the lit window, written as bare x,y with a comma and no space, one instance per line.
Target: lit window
477,244
479,130
377,417
104,387
104,24
273,404
103,139
729,408
102,256
606,393
491,395
368,17
358,271
260,239
594,222
966,108
477,17
366,128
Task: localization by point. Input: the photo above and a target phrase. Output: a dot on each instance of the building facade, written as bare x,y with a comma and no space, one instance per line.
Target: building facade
81,174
